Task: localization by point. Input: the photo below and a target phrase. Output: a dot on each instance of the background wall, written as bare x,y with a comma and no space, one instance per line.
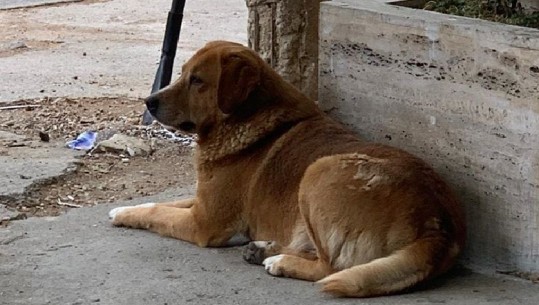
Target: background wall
461,93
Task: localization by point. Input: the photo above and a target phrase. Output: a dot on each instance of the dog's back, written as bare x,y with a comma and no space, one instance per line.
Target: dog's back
378,213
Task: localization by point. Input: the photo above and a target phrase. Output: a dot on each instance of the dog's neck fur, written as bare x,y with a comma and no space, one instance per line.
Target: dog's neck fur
231,136
227,139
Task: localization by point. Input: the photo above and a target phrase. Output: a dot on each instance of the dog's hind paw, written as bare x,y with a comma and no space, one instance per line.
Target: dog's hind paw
255,252
116,211
271,264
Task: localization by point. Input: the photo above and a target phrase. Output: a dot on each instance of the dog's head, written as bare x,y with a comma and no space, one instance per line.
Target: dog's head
214,83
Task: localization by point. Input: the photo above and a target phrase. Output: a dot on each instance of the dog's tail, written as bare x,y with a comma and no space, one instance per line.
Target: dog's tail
423,259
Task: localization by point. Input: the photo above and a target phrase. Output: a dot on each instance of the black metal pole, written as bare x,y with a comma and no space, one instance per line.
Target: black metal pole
168,52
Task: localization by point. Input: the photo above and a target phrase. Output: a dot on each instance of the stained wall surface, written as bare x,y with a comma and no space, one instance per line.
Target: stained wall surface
463,94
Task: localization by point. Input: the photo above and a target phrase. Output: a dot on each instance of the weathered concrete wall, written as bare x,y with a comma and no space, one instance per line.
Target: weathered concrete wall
461,93
285,34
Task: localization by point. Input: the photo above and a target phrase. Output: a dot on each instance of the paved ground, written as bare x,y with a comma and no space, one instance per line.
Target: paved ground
79,258
102,47
10,4
110,48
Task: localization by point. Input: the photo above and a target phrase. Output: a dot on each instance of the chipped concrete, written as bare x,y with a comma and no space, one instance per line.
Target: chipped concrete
461,93
25,162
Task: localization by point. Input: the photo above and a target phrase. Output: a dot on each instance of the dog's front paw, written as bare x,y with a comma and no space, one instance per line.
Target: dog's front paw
116,214
272,266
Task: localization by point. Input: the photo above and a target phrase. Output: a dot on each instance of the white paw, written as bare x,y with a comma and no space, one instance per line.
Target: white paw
114,212
270,264
261,244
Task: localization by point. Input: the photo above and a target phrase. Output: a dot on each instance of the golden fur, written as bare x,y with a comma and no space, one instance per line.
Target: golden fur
362,219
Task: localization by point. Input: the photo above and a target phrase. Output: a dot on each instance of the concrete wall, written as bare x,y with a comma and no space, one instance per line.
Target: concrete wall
461,93
285,34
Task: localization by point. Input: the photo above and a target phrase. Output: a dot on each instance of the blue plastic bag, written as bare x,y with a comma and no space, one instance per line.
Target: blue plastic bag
85,141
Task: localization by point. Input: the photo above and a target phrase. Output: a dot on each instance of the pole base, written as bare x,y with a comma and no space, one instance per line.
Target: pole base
147,118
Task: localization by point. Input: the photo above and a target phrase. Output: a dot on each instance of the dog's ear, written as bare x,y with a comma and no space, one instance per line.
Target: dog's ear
240,75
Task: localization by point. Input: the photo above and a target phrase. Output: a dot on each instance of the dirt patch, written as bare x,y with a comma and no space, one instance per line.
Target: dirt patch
20,46
99,177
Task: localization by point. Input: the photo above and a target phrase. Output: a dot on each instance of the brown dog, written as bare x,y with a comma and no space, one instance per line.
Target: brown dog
322,205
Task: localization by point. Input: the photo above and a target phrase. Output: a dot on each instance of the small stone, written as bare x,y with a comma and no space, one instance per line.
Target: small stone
43,136
9,214
130,151
18,45
16,144
120,143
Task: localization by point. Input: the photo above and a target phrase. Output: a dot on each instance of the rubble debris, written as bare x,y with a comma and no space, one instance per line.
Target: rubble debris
68,204
98,177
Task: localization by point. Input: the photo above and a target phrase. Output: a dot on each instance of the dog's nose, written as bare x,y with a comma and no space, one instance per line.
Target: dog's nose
152,103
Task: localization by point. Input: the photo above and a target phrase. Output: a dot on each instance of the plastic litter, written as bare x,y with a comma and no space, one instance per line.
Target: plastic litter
85,141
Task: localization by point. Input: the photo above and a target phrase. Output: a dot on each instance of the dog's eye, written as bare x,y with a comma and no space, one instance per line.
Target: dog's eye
195,80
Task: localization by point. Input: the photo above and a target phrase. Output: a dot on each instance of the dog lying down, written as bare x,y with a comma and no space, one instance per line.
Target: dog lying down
318,203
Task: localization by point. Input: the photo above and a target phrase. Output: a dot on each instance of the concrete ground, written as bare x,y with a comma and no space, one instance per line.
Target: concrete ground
12,4
98,48
79,258
110,48
33,161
